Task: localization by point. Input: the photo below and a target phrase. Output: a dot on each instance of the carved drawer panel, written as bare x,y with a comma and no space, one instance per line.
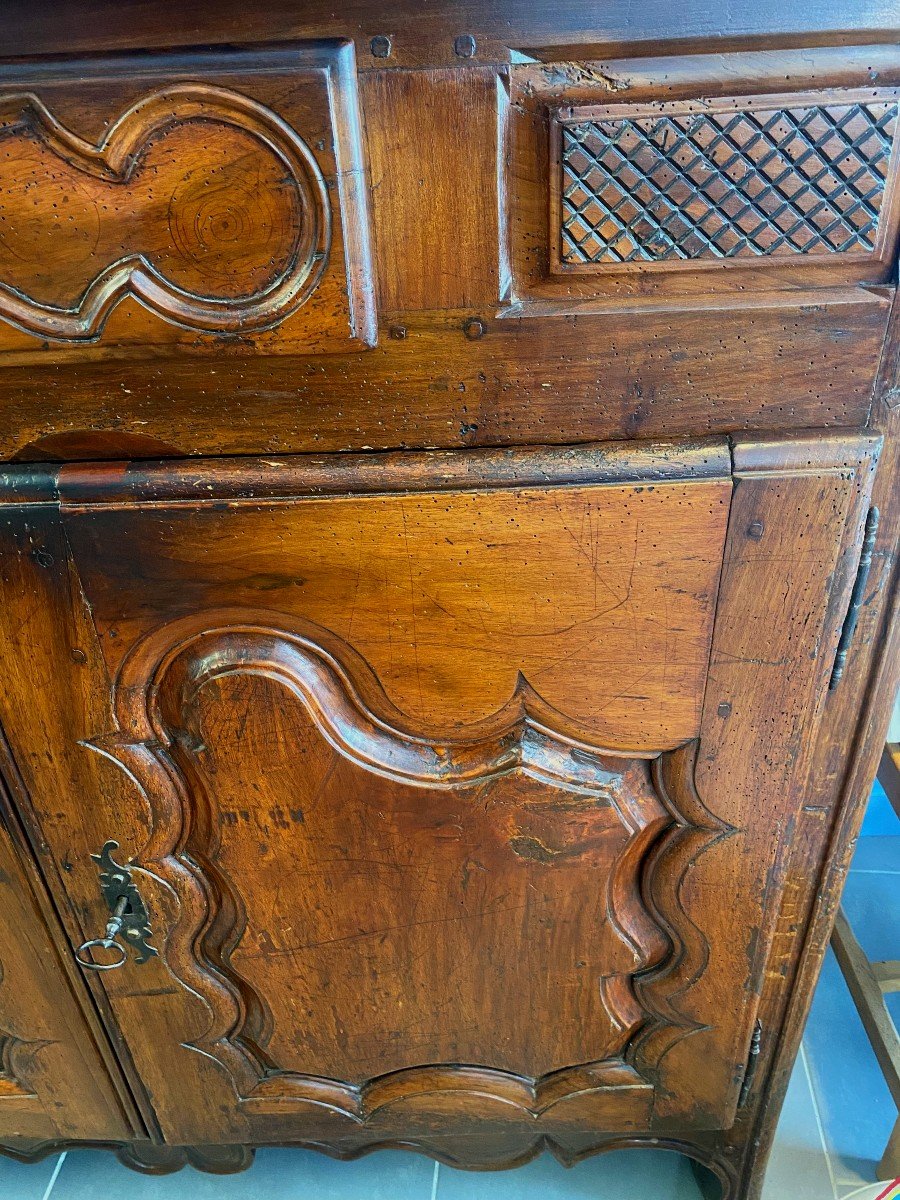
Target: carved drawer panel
365,725
745,179
185,202
697,180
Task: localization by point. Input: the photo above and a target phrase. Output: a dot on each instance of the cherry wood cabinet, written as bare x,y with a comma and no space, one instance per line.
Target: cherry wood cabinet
448,513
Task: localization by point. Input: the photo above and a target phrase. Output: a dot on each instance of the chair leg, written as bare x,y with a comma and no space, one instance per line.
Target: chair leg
889,1167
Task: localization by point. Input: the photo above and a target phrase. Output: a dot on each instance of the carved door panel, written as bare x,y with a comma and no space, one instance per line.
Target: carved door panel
453,783
54,1083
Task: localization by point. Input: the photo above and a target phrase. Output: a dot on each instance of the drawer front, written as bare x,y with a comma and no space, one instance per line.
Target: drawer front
561,251
451,782
199,203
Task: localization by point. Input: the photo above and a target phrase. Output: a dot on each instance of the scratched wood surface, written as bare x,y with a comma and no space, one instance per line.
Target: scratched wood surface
144,297
458,602
435,450
368,832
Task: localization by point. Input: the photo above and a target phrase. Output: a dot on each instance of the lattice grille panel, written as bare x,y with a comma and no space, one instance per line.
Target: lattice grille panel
679,185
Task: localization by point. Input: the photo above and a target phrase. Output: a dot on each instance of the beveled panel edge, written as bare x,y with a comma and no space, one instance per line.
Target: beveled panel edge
279,56
637,74
698,304
354,205
205,481
760,101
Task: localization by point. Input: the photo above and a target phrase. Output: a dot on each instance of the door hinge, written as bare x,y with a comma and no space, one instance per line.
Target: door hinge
752,1062
856,597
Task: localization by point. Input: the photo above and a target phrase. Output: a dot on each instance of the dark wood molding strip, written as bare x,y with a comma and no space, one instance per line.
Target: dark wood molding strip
208,481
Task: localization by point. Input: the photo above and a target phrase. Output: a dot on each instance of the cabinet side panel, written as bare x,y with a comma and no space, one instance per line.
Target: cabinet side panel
840,767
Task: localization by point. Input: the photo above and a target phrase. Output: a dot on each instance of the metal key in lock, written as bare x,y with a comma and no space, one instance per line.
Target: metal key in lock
128,916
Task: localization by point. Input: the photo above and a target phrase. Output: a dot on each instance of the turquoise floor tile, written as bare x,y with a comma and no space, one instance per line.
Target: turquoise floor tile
276,1175
26,1181
798,1168
878,854
872,902
856,1108
880,817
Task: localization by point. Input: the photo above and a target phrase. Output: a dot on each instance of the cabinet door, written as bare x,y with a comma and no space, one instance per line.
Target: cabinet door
54,1084
454,784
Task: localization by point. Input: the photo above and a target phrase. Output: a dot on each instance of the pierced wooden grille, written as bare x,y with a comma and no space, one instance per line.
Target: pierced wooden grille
731,184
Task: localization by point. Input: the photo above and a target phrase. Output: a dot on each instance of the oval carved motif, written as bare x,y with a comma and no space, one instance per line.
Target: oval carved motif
198,201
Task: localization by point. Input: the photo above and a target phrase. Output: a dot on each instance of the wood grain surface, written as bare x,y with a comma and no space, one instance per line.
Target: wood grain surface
435,450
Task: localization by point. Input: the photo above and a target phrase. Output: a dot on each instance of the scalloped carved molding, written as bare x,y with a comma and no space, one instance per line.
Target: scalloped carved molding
666,823
248,214
149,1159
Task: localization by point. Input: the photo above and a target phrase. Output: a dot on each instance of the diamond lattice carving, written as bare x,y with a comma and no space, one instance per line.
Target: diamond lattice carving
687,185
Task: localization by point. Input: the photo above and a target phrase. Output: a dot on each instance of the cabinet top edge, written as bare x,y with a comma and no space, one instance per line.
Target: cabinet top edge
503,30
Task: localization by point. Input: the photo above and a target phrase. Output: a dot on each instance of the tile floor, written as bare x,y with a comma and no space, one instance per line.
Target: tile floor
833,1128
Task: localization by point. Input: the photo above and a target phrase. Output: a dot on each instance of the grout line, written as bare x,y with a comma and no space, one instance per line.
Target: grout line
866,1187
434,1181
818,1116
55,1175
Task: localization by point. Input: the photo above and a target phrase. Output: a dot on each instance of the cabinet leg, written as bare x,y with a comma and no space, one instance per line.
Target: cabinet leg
220,1160
163,1160
731,1165
712,1185
150,1159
